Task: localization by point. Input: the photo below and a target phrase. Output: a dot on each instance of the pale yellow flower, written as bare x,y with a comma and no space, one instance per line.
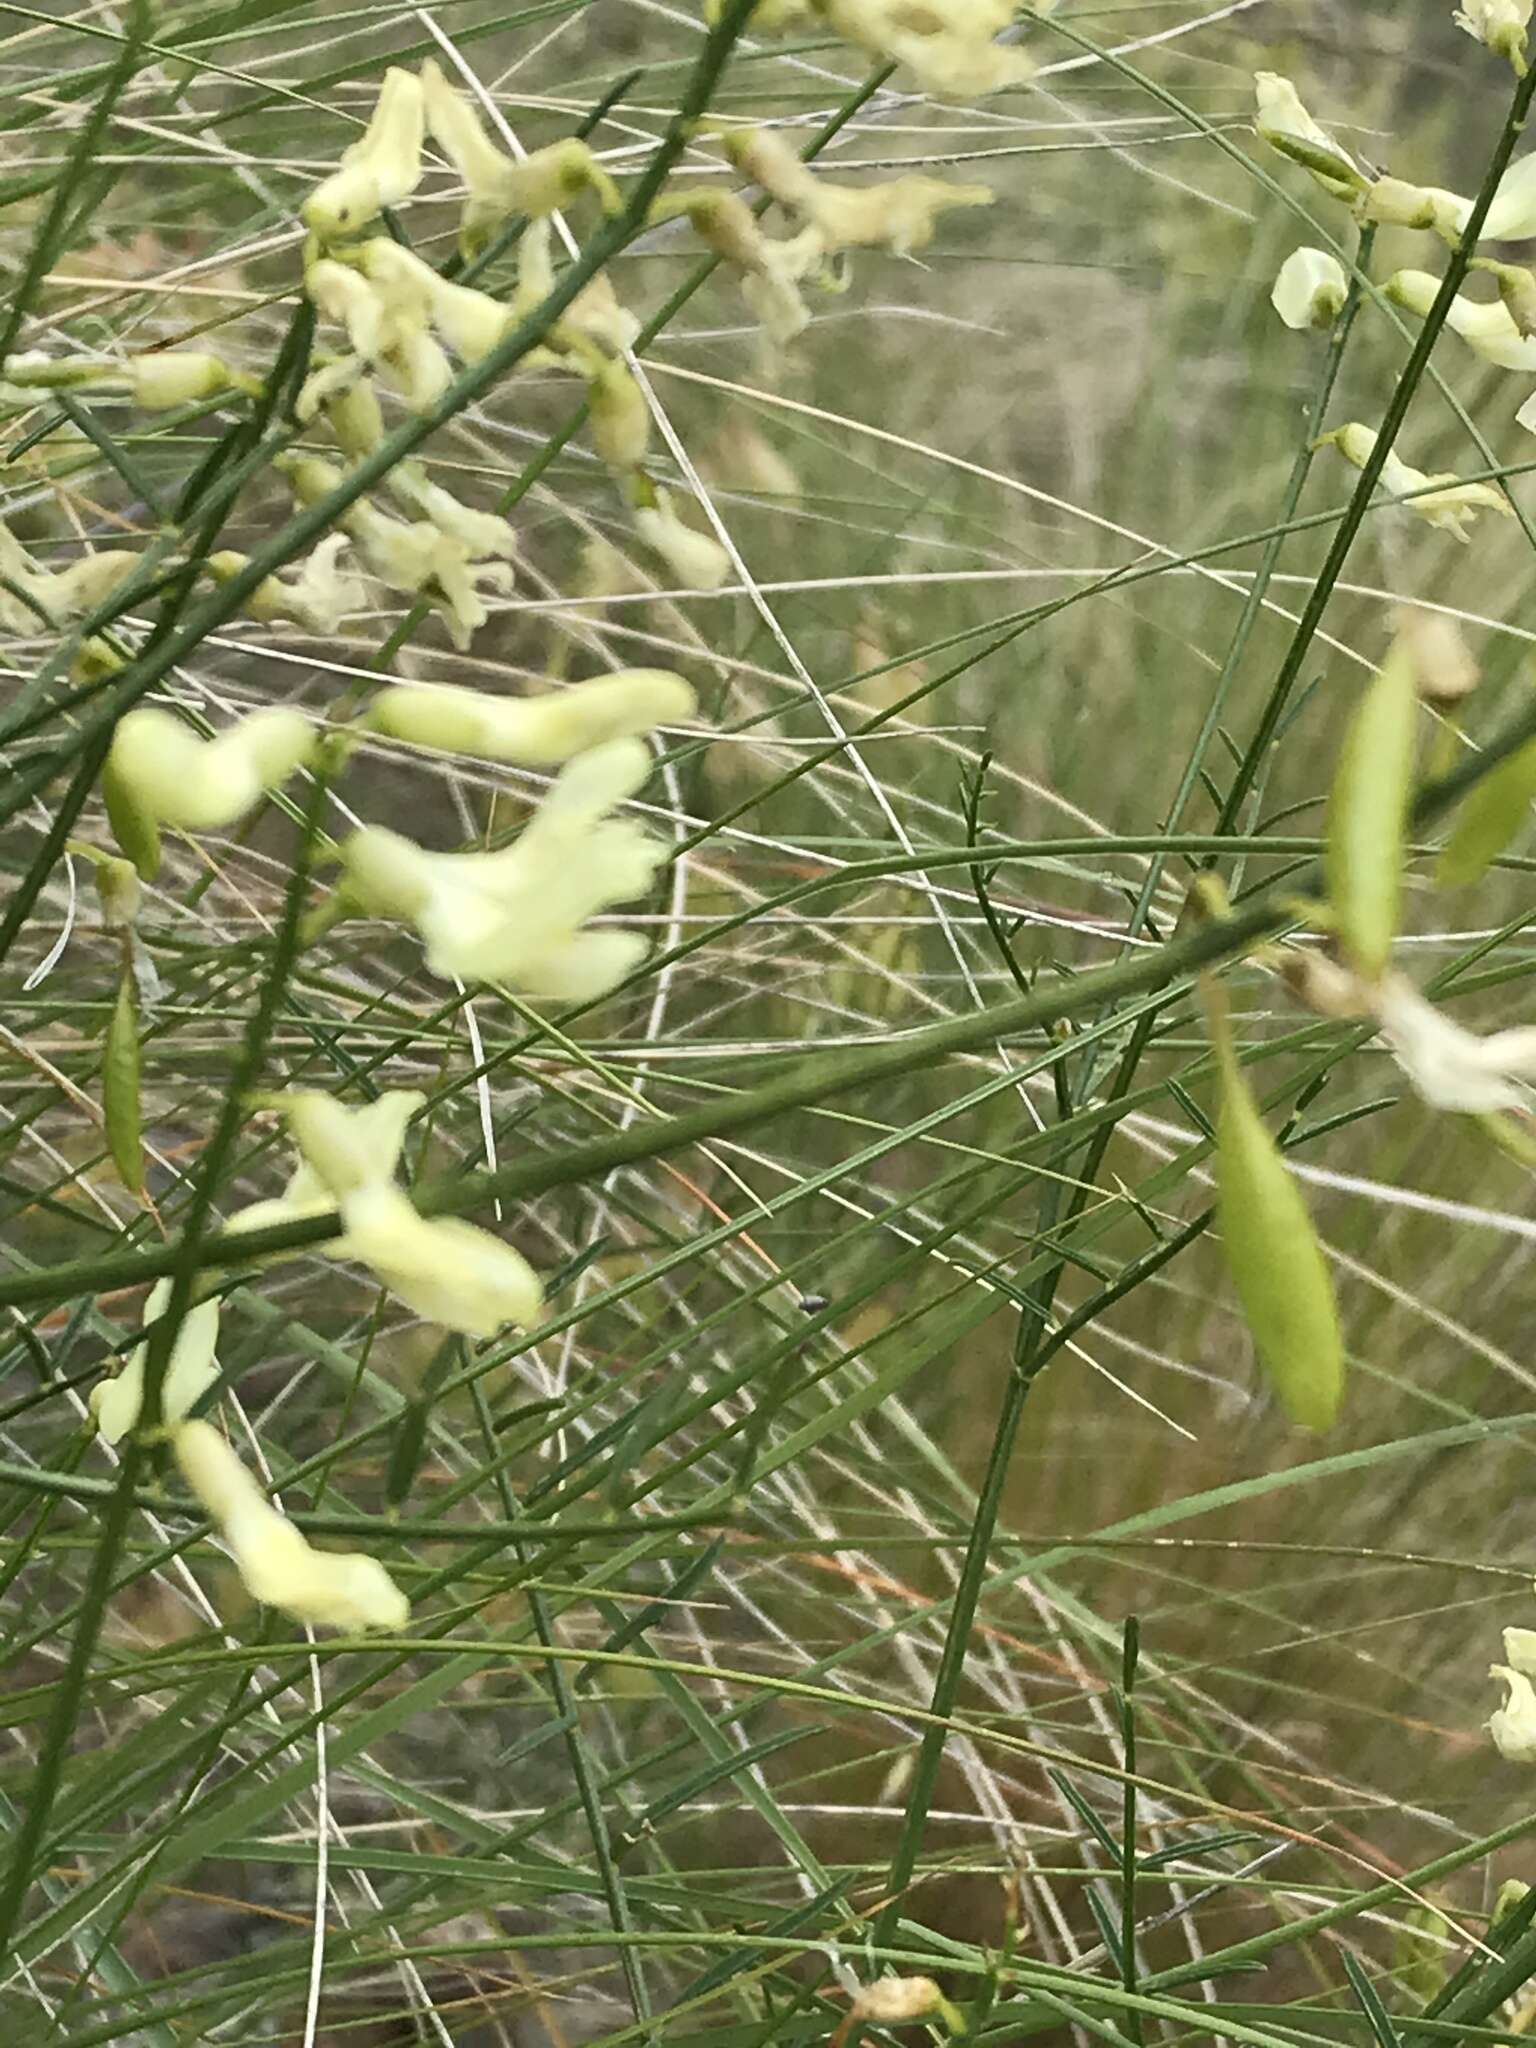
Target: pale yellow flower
471,322
325,1589
380,170
191,1371
1284,123
1513,1725
418,556
947,45
771,271
1396,204
1486,326
618,415
1504,25
697,560
317,598
482,533
339,1148
517,915
1520,1650
1311,289
175,778
451,1272
1448,1066
448,1271
497,186
533,732
1452,506
595,313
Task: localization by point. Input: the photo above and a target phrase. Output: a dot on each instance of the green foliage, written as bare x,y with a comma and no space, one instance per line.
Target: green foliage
769,1599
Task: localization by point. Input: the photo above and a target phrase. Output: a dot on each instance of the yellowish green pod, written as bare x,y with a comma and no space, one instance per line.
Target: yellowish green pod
1368,816
1489,819
120,1088
1275,1260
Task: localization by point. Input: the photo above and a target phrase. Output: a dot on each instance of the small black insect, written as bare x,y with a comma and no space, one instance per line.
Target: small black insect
813,1304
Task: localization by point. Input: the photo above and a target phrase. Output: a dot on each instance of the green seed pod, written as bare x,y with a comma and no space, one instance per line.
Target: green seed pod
1368,816
133,827
120,1088
1489,819
1275,1261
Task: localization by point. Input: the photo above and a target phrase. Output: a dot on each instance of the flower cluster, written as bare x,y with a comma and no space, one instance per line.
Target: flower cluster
1311,288
446,1270
949,47
899,215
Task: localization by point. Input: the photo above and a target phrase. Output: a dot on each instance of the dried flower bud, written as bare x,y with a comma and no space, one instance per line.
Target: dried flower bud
378,171
190,1372
1325,987
1443,666
1513,1725
533,732
1311,289
896,2001
327,1589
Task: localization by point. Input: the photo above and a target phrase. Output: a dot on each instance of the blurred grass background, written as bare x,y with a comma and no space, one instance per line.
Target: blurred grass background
1086,375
